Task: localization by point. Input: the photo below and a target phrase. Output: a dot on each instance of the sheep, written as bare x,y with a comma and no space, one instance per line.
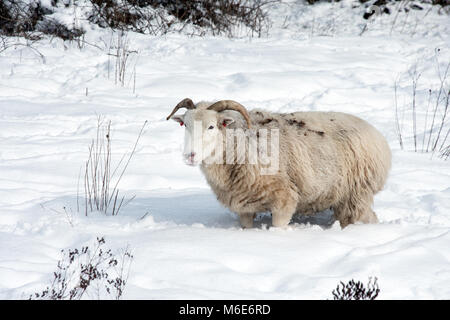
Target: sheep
327,160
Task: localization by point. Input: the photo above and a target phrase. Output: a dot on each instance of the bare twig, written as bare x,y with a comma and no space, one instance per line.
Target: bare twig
99,176
426,119
397,120
433,140
438,100
415,78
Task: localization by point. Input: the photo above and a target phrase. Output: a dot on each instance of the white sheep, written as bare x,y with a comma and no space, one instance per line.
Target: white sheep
326,160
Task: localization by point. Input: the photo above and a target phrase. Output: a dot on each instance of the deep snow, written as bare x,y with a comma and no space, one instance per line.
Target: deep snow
184,243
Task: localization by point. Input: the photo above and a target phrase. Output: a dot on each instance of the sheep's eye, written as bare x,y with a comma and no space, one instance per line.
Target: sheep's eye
211,127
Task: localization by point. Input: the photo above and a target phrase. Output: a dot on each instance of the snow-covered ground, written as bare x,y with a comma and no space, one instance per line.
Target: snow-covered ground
185,245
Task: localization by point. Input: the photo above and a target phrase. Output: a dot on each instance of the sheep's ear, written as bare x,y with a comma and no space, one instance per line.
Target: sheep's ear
232,119
179,119
226,121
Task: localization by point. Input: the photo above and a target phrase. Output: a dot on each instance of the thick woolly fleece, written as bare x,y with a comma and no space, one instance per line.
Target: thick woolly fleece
326,160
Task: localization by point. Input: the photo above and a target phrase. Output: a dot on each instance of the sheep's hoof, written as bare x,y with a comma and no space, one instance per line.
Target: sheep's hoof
280,221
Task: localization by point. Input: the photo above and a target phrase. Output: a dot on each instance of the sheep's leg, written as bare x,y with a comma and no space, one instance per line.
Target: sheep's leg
281,219
283,205
368,216
247,219
355,210
343,215
282,215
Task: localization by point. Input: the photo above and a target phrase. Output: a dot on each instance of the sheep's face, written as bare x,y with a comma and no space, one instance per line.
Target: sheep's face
203,133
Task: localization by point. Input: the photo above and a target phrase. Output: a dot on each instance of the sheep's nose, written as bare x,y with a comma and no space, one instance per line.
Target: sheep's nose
190,157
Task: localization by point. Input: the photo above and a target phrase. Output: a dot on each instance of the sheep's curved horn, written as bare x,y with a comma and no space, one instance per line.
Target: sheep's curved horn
222,105
185,103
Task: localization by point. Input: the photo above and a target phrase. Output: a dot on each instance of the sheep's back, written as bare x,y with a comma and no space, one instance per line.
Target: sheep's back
327,154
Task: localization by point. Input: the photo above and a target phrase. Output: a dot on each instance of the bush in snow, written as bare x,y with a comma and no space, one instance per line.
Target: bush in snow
432,133
88,272
30,19
356,290
219,17
101,178
375,7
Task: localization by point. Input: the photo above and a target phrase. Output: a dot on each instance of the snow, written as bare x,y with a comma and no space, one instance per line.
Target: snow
185,244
